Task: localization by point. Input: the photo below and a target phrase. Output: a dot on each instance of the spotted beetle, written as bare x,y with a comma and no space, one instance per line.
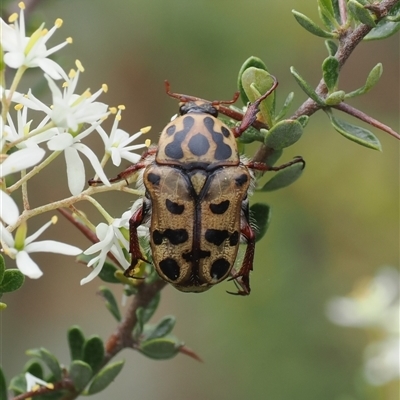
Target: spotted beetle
196,198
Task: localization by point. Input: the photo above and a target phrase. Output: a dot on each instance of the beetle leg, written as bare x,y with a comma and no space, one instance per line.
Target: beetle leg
259,166
134,247
142,163
252,110
242,277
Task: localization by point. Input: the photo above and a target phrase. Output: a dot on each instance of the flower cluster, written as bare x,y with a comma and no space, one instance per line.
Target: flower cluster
374,306
28,145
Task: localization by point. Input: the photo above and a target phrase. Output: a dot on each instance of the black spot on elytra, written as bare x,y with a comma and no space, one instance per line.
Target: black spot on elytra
174,149
223,151
234,239
241,180
154,178
198,144
170,268
190,257
175,236
216,236
225,131
174,208
219,268
157,237
219,208
171,130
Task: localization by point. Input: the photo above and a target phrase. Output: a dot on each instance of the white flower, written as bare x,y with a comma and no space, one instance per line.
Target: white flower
374,303
30,52
32,382
20,248
71,145
382,361
110,240
69,110
17,161
117,143
23,129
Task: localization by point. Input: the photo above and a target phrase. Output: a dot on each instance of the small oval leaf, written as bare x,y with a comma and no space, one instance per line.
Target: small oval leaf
383,30
284,178
160,349
34,368
80,374
107,273
261,214
250,62
330,72
283,134
306,87
163,328
335,98
105,377
111,303
311,26
285,107
13,279
331,47
151,308
255,83
360,13
76,341
49,359
93,352
355,133
303,119
2,268
372,79
273,157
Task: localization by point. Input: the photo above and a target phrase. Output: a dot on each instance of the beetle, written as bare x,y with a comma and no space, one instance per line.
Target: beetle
196,198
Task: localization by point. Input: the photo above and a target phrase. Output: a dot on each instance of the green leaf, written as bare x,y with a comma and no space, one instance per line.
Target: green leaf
13,279
3,385
18,384
335,98
160,349
255,83
303,119
138,328
261,213
285,107
273,157
372,79
107,273
151,308
330,72
80,374
2,268
251,135
93,352
34,368
306,87
355,133
250,62
284,177
76,341
105,377
360,13
311,26
111,303
383,30
283,134
326,14
331,47
163,328
49,359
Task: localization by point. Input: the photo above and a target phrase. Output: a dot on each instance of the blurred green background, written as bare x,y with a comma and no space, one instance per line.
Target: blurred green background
339,222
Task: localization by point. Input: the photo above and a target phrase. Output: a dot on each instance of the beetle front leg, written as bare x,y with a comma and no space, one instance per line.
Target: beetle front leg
259,166
134,247
242,276
252,110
